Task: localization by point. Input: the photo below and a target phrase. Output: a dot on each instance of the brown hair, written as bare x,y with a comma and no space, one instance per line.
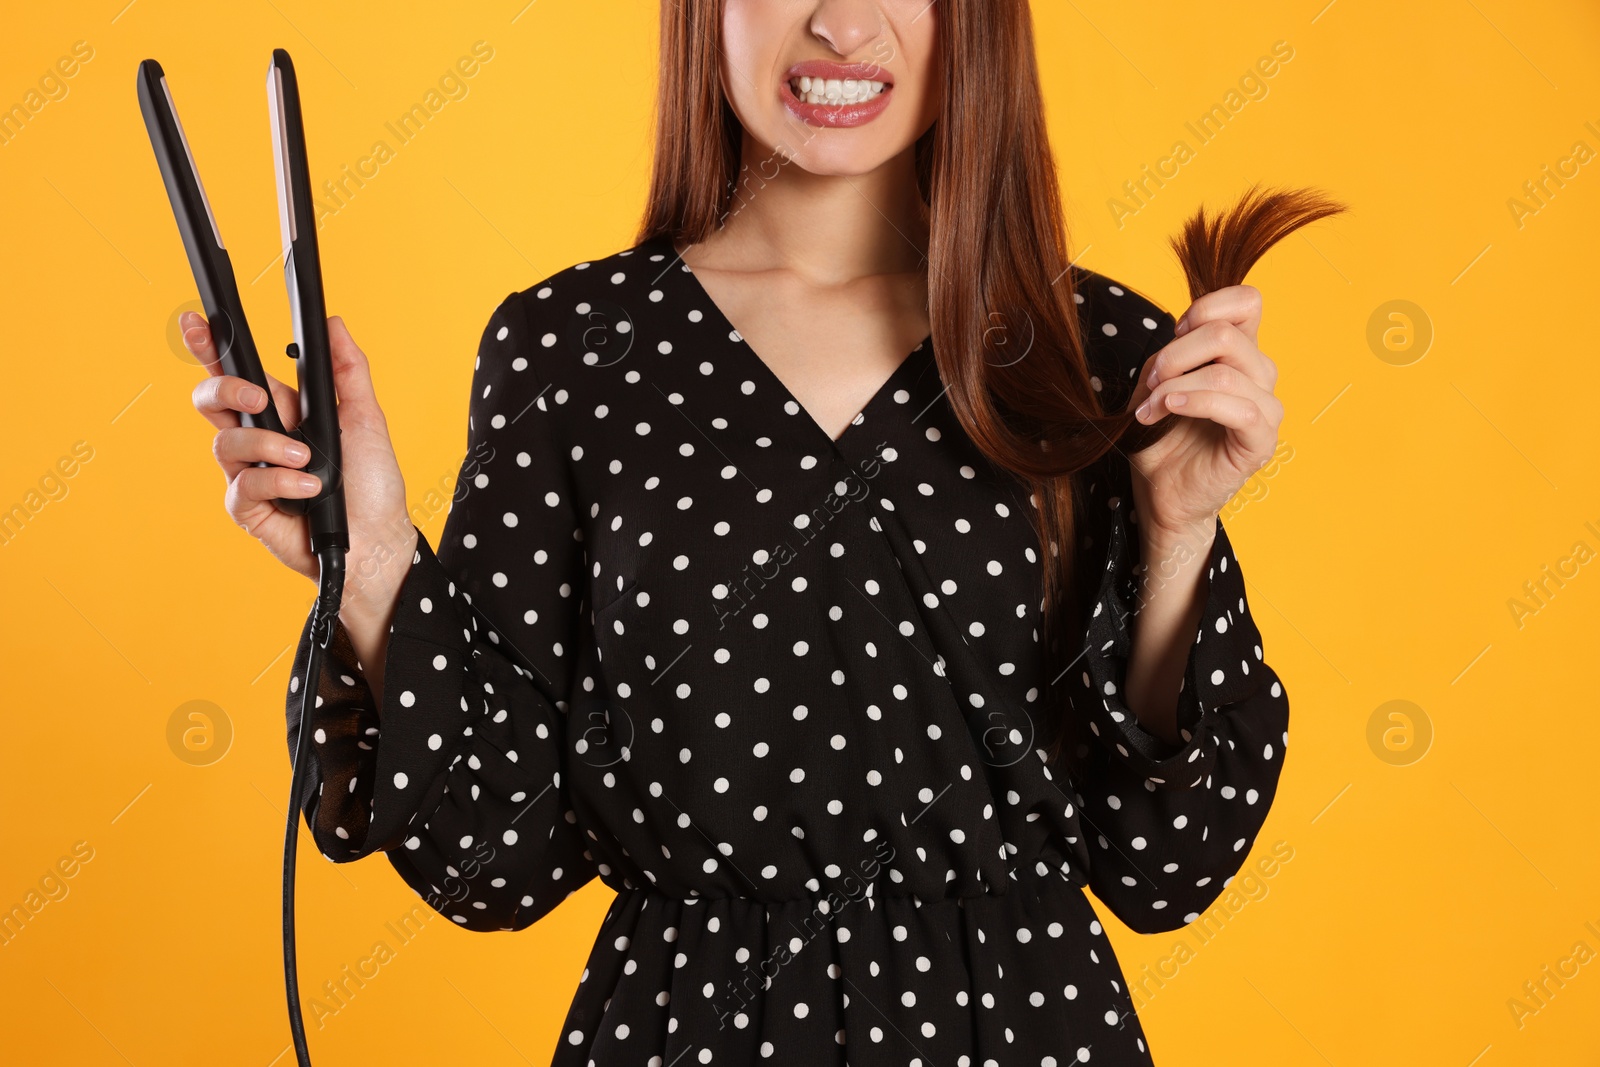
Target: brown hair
997,255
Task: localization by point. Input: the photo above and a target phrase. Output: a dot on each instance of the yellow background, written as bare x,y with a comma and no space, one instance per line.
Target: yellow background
1410,504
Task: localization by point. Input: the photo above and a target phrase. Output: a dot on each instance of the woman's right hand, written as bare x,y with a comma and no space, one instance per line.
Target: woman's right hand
382,538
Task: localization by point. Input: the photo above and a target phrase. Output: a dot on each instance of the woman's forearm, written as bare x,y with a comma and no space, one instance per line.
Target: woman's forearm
1170,597
369,636
369,612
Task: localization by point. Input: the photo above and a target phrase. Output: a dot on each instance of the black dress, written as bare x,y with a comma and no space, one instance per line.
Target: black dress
785,695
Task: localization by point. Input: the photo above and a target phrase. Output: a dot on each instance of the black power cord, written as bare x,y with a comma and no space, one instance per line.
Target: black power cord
324,613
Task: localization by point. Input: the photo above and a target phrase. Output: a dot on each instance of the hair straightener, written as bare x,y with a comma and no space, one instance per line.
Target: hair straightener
318,427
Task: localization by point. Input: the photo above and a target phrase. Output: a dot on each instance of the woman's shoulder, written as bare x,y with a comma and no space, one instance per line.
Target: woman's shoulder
587,311
614,275
1121,326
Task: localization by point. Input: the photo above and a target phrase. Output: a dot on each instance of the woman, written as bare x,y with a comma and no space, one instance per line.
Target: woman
743,610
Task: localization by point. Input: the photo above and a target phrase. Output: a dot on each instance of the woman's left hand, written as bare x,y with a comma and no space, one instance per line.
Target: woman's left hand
1220,384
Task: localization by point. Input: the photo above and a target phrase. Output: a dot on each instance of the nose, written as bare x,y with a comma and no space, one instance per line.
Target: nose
848,26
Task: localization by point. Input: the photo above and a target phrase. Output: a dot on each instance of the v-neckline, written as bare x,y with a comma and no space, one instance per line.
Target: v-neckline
906,365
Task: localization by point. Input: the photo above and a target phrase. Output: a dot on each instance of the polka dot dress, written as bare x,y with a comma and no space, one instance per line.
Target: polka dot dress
786,695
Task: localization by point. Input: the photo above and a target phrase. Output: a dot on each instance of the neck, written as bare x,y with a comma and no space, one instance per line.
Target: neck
829,229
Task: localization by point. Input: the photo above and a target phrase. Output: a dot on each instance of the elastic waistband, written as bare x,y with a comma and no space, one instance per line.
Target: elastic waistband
1027,879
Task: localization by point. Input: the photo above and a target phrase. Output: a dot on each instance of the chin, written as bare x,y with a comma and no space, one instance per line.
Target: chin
839,164
837,153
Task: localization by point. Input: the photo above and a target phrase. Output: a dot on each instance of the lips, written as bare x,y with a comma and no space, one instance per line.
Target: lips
829,109
822,68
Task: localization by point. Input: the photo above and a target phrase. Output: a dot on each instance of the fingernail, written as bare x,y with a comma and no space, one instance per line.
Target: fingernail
309,483
1182,328
297,453
1142,410
252,395
1155,377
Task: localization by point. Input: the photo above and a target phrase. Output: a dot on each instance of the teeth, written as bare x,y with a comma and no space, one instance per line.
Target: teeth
835,91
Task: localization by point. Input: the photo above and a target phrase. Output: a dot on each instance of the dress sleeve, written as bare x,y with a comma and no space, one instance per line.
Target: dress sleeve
1170,824
458,777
